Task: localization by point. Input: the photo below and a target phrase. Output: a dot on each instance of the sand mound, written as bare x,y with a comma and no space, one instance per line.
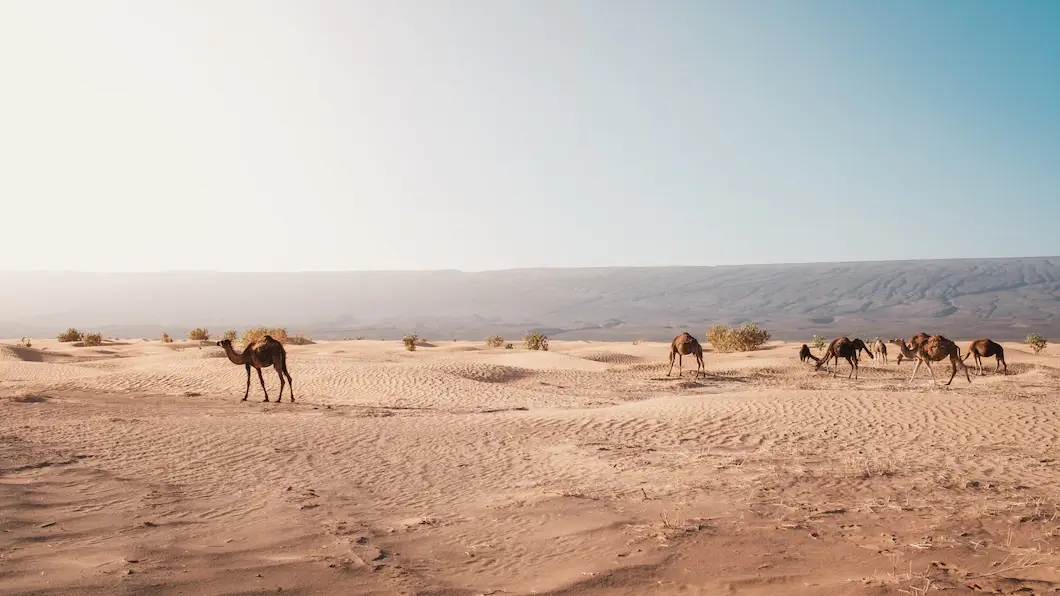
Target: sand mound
488,373
612,357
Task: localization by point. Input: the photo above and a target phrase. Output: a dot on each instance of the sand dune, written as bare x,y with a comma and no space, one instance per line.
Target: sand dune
461,469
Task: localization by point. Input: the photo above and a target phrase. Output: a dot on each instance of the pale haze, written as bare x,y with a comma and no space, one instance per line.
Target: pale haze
476,135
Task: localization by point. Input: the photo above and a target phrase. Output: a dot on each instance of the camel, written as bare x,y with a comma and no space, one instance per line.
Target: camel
935,349
261,353
805,354
847,348
879,348
683,345
985,348
914,341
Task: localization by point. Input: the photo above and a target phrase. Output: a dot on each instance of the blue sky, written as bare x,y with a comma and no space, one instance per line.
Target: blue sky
488,134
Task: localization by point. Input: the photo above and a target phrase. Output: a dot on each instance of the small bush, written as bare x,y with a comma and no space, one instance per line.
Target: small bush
819,343
70,335
745,338
230,335
92,340
1037,342
535,341
410,342
166,339
199,334
300,340
25,343
255,333
495,342
509,346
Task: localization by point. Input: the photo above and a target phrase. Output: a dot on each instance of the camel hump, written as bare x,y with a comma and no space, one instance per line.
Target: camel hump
267,337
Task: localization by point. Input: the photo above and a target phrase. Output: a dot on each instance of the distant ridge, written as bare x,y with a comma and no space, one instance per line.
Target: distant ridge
1005,298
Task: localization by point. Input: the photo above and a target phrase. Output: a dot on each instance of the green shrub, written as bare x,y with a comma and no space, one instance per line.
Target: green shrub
535,341
70,335
745,338
91,340
819,343
410,342
1037,342
495,342
199,334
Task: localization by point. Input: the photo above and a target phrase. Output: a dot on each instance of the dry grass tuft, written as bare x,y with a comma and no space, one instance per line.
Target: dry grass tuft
410,341
91,340
199,334
535,341
70,335
166,339
230,335
495,342
300,340
745,338
255,333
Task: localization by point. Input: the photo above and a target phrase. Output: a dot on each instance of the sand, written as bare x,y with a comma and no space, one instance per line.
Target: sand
134,468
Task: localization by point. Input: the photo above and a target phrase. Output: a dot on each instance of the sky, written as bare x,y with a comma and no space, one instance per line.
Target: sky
260,135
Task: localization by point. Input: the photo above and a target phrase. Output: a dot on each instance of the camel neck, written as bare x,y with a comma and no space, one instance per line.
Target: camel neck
233,356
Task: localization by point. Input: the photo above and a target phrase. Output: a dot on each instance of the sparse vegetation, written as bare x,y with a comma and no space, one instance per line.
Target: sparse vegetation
535,341
300,340
509,346
166,339
199,334
230,335
745,338
70,335
495,342
410,342
25,343
1037,342
819,343
91,340
255,333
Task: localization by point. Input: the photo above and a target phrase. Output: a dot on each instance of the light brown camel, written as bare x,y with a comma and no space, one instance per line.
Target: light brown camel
879,349
914,341
935,349
847,348
985,348
682,345
805,354
261,353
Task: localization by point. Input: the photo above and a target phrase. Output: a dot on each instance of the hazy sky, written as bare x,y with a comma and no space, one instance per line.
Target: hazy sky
457,134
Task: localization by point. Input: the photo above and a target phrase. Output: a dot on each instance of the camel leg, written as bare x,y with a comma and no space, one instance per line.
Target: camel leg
262,379
853,362
953,371
680,363
1000,361
290,383
246,393
671,362
278,367
915,368
930,370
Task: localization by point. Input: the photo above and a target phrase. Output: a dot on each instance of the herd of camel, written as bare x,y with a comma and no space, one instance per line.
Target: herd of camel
922,348
266,352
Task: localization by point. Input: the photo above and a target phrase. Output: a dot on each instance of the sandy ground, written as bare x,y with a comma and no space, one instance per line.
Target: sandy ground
134,468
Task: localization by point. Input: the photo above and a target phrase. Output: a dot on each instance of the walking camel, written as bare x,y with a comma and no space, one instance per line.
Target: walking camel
935,349
683,345
261,353
879,348
805,354
847,348
985,348
914,341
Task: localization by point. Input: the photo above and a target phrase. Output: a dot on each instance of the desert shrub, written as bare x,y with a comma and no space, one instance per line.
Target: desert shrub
91,340
745,338
300,340
199,334
509,346
230,335
819,343
495,342
535,341
25,343
1037,342
410,342
69,335
166,339
255,333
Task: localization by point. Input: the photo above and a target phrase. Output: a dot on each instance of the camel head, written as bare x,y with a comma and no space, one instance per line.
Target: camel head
860,345
225,343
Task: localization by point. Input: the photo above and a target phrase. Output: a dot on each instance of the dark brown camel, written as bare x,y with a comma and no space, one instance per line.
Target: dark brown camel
261,353
805,354
847,348
914,341
985,348
935,349
683,345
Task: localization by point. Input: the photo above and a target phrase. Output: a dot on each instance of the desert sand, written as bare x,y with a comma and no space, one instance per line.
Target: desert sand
134,468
